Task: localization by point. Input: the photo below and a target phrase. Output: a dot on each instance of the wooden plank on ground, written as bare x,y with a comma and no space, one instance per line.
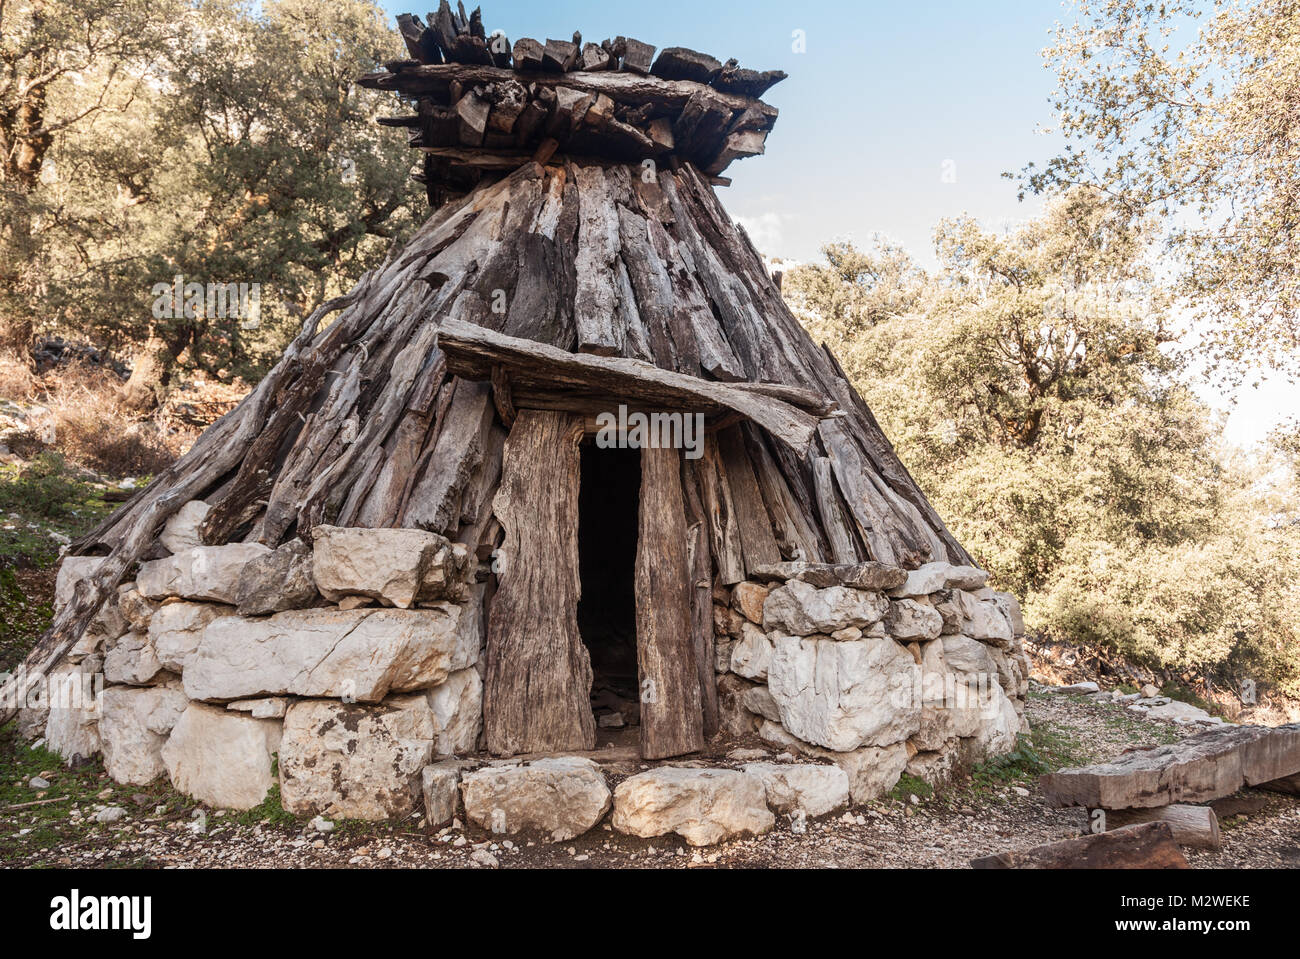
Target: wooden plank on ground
1146,846
1193,826
536,695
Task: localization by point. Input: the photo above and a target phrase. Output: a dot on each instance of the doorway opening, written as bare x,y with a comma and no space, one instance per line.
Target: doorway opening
609,494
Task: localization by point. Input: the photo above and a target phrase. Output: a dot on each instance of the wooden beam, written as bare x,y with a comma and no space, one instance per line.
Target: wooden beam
1147,846
622,87
472,351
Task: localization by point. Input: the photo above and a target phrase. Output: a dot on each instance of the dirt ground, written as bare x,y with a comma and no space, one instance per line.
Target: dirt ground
996,809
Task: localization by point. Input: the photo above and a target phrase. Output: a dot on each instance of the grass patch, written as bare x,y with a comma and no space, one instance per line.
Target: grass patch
35,820
41,501
908,786
1044,749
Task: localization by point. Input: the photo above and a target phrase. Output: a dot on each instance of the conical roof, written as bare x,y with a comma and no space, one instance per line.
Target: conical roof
575,277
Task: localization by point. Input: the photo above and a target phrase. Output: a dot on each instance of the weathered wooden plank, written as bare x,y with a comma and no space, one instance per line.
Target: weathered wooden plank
720,513
701,565
434,503
757,542
886,533
1197,769
595,303
680,63
836,525
795,530
472,351
671,715
1146,846
1194,826
538,683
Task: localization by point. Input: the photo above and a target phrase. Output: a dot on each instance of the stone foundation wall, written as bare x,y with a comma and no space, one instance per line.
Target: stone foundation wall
349,673
355,661
879,670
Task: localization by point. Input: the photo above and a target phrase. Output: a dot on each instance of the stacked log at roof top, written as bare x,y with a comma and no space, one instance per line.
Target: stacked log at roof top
483,104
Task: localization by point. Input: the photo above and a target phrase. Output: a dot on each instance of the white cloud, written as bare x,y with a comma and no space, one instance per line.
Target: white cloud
764,230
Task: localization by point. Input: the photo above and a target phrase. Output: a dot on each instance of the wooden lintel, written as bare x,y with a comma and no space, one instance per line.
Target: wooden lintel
472,351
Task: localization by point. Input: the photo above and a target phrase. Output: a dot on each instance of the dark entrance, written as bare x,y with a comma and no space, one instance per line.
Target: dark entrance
608,500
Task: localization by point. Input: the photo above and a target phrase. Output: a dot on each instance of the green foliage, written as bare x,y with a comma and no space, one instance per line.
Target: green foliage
908,786
1043,749
1036,396
226,143
1186,110
41,487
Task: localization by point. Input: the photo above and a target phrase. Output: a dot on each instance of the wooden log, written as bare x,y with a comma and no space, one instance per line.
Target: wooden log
1146,846
472,111
559,56
660,131
679,63
472,351
443,25
538,683
750,83
1194,826
736,146
594,57
471,49
528,55
702,124
596,302
1197,769
637,56
794,528
625,88
411,29
671,716
840,538
720,513
570,107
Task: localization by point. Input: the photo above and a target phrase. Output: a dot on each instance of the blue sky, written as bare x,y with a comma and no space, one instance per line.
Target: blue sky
895,116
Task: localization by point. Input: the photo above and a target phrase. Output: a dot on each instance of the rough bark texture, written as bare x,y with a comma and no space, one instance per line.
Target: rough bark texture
671,717
537,693
366,422
1194,826
1147,846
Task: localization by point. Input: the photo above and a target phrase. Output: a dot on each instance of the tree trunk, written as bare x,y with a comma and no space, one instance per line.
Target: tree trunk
147,384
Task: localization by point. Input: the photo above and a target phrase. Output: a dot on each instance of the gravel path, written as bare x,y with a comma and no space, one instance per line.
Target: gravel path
999,809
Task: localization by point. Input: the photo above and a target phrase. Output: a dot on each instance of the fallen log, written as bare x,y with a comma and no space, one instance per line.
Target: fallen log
1194,826
1146,846
1197,769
